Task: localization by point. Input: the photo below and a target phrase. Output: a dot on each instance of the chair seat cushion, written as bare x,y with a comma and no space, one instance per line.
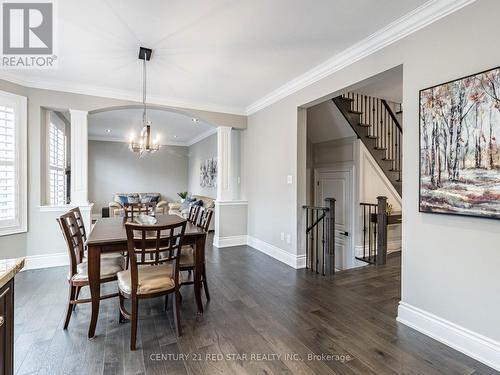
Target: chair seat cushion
187,257
151,279
109,268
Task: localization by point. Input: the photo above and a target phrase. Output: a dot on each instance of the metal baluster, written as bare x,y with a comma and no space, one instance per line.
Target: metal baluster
307,238
324,246
317,242
369,233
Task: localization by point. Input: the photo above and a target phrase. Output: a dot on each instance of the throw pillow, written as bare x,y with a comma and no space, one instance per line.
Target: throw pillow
146,199
122,199
133,198
197,203
187,203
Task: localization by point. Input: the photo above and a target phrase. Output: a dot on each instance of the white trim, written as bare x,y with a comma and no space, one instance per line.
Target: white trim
230,241
103,138
108,92
294,261
417,19
188,143
231,203
34,262
62,208
20,105
475,345
201,137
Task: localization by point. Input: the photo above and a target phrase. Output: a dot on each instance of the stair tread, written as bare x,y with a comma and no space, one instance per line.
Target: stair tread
387,159
381,148
347,99
371,137
356,112
364,125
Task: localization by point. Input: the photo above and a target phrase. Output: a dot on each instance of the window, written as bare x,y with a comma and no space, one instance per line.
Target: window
57,163
13,151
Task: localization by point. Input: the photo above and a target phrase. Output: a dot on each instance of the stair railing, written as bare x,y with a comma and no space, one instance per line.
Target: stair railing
377,115
375,221
320,237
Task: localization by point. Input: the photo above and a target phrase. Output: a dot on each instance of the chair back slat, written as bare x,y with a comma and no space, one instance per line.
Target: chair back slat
161,243
79,222
205,218
193,213
73,238
133,209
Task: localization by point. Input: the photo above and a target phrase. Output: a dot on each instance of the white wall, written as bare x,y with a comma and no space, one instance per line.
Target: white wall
449,263
199,153
114,169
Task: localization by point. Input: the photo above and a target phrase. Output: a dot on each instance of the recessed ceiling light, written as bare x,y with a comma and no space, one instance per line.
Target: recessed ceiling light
195,120
175,136
108,130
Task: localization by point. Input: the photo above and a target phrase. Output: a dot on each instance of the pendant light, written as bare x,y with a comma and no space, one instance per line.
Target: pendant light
145,143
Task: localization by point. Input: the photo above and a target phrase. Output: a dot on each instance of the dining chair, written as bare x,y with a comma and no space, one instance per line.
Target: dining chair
193,213
78,275
81,227
186,261
133,209
154,275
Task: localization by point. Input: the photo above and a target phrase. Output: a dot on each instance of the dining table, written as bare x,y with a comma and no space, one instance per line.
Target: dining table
108,235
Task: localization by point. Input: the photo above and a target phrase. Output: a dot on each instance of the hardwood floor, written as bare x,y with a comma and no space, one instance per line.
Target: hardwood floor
259,306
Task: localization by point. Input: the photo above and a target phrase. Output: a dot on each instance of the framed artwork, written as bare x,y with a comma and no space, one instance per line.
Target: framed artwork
459,148
208,173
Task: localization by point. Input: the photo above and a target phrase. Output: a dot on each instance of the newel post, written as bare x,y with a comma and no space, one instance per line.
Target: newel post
381,230
330,203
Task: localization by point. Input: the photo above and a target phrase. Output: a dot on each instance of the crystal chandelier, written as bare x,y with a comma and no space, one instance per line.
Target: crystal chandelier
144,144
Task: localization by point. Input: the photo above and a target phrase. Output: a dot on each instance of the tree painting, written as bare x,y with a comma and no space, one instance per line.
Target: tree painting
459,151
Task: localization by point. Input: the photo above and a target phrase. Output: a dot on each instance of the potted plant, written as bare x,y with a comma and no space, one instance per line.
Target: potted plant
183,195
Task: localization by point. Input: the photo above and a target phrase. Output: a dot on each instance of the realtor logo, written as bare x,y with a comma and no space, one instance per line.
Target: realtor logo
28,35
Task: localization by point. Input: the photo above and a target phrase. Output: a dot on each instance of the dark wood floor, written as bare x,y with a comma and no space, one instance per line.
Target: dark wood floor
259,307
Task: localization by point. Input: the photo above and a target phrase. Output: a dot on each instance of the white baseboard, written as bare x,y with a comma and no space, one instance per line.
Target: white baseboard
34,262
230,241
295,261
477,346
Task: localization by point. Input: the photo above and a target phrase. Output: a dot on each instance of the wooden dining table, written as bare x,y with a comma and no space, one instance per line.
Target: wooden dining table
109,236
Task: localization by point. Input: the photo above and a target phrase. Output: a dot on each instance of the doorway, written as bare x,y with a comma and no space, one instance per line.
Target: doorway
337,182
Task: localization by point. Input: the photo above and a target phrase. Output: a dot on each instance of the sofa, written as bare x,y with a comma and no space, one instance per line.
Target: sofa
116,206
177,208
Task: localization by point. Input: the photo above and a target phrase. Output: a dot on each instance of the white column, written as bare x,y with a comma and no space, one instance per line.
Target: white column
224,188
79,158
230,212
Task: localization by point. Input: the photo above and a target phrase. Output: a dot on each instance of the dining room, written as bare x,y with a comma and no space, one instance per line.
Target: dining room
156,163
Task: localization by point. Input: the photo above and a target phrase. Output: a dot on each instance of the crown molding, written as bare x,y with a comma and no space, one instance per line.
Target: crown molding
417,19
124,140
201,137
107,92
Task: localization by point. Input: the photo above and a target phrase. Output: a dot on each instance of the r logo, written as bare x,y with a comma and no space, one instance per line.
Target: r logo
27,29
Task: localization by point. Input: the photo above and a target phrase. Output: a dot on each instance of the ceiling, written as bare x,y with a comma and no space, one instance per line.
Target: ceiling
220,55
387,85
325,122
173,128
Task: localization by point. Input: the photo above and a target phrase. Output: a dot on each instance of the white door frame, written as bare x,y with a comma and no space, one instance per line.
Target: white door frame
351,168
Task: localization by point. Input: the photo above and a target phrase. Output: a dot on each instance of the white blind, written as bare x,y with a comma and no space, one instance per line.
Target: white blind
8,198
57,165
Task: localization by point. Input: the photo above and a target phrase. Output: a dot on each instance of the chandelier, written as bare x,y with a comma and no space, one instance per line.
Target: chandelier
145,143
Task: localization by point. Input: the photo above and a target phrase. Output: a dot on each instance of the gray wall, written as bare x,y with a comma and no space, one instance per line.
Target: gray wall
450,263
198,153
113,168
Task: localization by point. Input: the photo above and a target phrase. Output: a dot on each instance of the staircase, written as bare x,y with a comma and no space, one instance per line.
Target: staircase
378,128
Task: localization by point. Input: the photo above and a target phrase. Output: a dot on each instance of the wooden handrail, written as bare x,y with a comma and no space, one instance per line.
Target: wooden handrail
393,116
